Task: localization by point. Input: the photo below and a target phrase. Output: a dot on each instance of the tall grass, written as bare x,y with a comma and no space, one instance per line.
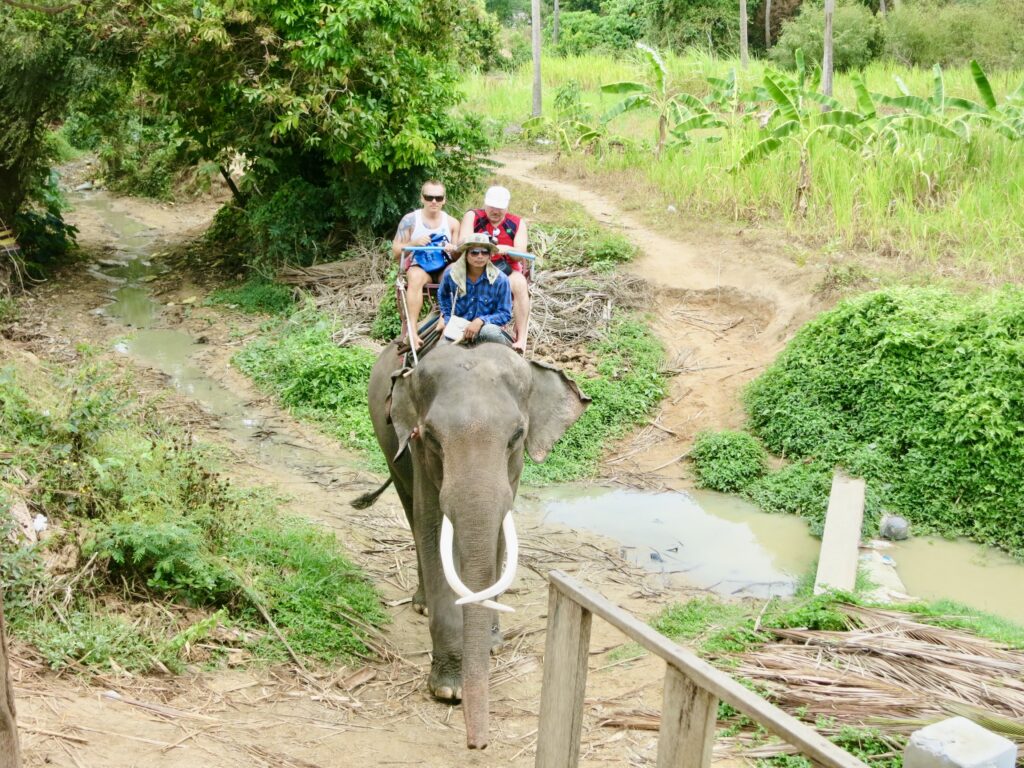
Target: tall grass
932,199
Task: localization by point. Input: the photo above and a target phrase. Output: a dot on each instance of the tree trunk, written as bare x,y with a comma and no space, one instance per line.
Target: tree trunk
882,9
8,731
826,62
744,48
536,58
768,23
554,23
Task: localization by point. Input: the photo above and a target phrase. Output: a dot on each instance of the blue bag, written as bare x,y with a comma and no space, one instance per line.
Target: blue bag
429,259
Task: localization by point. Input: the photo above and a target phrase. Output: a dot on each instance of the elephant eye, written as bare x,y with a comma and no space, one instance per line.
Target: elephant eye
431,440
516,436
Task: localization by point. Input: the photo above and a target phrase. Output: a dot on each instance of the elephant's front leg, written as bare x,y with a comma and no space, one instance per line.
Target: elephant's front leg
445,681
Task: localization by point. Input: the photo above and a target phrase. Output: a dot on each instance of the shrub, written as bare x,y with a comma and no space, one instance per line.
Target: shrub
856,35
927,33
919,391
727,461
710,25
584,32
257,296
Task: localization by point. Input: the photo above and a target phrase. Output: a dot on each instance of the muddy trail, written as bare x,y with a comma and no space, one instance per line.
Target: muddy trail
725,305
722,313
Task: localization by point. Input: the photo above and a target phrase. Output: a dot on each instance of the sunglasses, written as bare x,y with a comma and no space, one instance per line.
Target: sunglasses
479,252
434,198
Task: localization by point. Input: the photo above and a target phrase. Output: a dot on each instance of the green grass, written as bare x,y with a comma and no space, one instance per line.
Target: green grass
175,552
930,199
256,296
628,386
316,379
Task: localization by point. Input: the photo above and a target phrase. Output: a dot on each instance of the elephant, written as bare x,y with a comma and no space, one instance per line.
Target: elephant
8,731
453,429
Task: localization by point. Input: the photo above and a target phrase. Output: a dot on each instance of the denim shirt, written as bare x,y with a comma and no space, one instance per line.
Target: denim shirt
491,302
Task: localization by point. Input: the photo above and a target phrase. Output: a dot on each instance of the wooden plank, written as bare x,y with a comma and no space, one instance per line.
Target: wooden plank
713,680
565,682
837,561
688,716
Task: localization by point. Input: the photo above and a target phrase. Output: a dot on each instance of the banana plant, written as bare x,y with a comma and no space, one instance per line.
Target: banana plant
568,133
1006,118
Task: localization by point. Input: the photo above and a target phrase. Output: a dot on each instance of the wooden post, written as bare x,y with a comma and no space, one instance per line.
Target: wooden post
565,682
554,23
688,715
535,36
768,24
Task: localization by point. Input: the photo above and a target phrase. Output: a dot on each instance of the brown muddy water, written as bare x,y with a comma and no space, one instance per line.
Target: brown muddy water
713,541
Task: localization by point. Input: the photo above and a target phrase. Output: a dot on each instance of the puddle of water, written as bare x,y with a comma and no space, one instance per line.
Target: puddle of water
131,234
719,542
171,352
977,576
132,306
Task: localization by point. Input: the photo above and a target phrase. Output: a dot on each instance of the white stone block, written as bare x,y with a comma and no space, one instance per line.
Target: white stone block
958,743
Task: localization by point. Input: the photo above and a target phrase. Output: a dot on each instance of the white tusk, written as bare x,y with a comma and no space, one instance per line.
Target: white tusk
508,573
448,564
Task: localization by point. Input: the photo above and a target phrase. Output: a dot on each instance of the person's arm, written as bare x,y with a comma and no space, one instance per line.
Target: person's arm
466,228
520,242
454,226
403,235
444,297
500,303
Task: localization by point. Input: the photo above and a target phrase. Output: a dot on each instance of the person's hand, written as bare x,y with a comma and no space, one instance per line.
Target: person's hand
473,329
449,248
440,324
420,241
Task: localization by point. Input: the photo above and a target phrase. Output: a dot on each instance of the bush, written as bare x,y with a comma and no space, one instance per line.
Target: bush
927,33
711,25
257,296
584,32
856,34
919,391
727,461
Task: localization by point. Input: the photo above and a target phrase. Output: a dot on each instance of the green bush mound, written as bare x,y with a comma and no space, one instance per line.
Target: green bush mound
257,296
165,551
916,390
302,365
727,461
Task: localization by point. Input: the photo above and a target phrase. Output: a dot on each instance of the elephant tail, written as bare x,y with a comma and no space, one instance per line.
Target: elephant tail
367,499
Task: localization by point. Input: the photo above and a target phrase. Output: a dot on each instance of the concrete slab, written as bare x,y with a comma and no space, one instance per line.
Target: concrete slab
958,743
837,562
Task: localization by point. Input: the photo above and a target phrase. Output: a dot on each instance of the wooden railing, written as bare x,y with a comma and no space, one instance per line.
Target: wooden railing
693,689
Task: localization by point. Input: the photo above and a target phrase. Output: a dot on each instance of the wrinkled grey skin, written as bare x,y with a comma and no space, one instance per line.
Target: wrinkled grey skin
8,732
454,431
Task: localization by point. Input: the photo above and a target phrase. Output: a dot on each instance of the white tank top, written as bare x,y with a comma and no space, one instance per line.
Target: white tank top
438,236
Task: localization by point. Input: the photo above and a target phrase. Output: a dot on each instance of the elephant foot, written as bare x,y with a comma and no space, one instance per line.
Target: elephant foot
419,602
445,681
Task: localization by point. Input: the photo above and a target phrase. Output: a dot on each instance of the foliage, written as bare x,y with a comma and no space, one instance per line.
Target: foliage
478,38
917,391
928,32
629,383
387,324
857,36
585,31
710,25
657,93
257,296
314,377
152,518
570,126
727,461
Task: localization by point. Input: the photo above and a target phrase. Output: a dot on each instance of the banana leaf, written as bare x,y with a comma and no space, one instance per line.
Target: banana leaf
841,117
696,122
637,101
965,104
864,101
983,85
625,87
920,124
821,98
938,89
760,150
773,83
842,135
907,101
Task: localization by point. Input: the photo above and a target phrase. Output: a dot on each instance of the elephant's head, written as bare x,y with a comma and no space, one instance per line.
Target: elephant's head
467,416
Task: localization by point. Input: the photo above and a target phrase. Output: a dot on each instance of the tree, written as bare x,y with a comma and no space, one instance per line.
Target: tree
744,48
826,61
768,23
535,36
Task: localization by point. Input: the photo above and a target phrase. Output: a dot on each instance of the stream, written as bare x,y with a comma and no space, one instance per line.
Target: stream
713,541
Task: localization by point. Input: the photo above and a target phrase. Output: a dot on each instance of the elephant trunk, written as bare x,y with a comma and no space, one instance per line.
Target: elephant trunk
476,669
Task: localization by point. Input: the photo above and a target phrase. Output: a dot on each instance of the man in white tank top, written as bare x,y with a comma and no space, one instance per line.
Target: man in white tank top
428,225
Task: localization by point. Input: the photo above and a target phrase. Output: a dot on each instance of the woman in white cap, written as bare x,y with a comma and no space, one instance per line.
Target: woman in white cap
508,233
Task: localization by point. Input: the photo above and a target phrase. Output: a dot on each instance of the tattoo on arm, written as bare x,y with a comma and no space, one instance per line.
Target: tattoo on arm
405,228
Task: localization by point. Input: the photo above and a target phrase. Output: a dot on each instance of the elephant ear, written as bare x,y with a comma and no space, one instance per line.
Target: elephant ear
401,409
555,404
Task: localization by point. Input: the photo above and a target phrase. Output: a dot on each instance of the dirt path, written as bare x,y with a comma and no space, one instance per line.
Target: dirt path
724,308
723,311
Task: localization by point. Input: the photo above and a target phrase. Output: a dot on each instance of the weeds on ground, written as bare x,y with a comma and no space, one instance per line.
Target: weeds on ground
300,363
256,296
627,387
148,550
917,391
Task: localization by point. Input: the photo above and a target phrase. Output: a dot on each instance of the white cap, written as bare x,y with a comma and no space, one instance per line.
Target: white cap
497,197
